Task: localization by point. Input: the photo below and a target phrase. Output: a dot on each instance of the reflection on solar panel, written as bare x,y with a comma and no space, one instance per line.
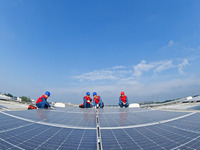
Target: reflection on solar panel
74,128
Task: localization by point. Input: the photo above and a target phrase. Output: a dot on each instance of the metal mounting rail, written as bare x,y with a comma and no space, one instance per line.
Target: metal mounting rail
99,144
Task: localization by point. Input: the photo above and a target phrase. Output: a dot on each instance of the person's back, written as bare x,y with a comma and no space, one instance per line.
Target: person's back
42,101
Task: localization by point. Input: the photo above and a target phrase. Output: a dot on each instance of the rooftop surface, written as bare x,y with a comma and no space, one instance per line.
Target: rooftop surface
108,128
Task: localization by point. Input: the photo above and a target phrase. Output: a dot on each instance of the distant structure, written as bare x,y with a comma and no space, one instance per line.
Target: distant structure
19,99
58,104
14,98
4,97
189,98
134,105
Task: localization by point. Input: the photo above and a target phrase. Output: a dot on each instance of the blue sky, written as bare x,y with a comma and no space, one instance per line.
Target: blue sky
149,49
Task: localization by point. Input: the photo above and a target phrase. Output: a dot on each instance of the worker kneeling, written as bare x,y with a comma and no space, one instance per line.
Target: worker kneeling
42,101
87,101
97,101
123,100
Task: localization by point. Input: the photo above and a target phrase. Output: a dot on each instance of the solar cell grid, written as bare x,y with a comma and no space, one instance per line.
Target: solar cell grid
53,138
193,144
72,119
128,117
189,123
160,139
3,144
8,122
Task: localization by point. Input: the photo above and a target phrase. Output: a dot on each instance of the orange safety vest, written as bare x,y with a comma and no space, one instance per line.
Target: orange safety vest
123,99
40,99
87,98
97,100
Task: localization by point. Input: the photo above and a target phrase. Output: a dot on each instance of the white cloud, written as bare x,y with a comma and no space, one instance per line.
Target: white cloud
157,67
164,66
97,75
114,73
127,81
119,67
124,73
171,42
182,65
139,68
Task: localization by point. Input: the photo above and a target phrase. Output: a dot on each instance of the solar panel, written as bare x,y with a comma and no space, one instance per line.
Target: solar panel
39,130
73,118
108,128
130,117
152,137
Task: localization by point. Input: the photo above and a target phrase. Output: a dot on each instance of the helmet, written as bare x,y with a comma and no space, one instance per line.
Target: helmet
94,93
88,93
47,93
122,93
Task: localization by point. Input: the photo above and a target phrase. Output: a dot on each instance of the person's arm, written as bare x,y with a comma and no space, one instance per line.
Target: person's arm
45,101
94,102
84,101
127,100
91,102
120,100
100,102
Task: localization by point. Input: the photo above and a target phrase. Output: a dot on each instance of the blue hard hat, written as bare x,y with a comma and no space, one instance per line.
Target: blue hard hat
94,93
88,93
47,93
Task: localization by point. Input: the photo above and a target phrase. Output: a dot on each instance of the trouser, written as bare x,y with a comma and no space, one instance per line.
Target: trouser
100,105
121,105
42,105
88,105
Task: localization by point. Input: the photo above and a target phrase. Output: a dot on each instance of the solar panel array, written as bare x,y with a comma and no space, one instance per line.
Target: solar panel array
75,128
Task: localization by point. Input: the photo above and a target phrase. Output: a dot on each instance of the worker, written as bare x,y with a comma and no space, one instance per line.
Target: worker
87,100
123,100
97,101
42,101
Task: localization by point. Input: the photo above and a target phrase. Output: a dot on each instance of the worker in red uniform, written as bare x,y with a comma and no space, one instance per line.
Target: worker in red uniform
42,101
87,100
97,101
123,100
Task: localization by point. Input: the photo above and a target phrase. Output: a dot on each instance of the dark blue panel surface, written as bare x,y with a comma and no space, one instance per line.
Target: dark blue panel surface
128,117
75,117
